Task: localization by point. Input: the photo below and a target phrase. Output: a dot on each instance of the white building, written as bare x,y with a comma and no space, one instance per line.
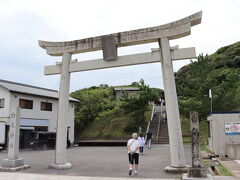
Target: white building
130,91
39,108
224,134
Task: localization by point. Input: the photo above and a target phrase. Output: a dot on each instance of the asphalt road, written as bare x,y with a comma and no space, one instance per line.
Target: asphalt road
102,161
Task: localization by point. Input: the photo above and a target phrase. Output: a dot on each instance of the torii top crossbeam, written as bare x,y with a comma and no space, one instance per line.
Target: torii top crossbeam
173,30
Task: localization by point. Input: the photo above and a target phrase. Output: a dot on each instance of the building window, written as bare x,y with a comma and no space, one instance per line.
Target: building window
2,103
26,104
40,128
46,106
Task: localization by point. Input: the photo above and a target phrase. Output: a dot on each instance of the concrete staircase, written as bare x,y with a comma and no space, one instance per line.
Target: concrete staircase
158,125
153,128
163,137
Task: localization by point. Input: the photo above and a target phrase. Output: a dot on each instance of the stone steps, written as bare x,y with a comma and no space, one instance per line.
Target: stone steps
163,140
162,134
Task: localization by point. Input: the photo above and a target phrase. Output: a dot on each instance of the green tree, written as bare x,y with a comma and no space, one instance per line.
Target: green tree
219,72
92,102
138,105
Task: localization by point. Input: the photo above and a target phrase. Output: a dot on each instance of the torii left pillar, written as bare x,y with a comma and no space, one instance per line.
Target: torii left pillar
60,161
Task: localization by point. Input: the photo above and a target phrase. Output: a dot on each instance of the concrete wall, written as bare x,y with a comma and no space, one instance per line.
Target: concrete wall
4,112
36,112
218,140
129,93
233,151
159,108
71,116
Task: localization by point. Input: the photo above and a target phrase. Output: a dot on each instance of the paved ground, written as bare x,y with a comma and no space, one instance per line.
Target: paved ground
233,167
28,176
102,162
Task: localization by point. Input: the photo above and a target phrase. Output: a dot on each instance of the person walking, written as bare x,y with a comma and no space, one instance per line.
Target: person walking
133,154
149,139
141,143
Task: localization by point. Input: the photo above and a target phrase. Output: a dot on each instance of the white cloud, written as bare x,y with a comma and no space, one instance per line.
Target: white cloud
24,22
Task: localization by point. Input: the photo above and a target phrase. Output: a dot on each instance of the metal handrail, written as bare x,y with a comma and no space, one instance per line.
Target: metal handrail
150,121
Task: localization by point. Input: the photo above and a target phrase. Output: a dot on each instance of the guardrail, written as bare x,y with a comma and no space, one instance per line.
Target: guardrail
101,143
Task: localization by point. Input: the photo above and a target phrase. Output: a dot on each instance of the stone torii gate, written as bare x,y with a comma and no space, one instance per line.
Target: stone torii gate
109,44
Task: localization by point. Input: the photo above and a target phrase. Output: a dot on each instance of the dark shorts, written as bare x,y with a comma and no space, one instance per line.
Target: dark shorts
133,158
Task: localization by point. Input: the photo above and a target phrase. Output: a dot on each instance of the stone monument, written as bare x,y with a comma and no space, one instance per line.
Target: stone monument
109,44
197,171
13,162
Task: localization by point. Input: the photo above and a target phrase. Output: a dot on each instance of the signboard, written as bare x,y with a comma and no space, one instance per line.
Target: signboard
232,128
2,132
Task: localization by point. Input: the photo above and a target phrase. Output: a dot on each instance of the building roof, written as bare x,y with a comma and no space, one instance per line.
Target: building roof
126,89
31,90
224,112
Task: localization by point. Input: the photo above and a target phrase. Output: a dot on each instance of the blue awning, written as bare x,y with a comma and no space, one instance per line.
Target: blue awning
27,128
34,122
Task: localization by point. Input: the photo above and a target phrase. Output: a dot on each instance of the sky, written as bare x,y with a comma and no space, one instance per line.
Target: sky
23,23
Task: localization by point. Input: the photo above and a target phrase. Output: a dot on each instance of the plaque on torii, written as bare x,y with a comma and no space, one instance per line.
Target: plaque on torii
109,44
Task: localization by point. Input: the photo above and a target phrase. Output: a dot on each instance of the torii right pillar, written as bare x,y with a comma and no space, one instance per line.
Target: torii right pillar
174,127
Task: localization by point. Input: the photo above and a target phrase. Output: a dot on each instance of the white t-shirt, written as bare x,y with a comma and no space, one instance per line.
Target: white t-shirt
141,141
133,143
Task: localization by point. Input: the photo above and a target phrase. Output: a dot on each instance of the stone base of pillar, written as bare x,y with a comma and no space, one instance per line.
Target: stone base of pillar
60,166
13,165
12,162
197,172
13,169
176,170
185,177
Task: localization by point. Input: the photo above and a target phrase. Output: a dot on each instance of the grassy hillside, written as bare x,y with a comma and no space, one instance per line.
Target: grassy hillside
203,129
100,116
110,127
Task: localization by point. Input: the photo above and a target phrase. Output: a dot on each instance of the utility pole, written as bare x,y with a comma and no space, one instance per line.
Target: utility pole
210,96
